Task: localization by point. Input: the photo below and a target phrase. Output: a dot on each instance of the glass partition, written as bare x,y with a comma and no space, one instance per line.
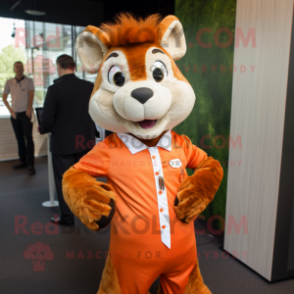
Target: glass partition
37,45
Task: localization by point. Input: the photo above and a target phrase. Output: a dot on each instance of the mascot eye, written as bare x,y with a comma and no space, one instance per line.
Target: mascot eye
159,71
115,76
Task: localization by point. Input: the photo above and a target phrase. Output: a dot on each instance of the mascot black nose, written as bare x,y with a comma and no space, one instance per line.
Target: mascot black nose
142,94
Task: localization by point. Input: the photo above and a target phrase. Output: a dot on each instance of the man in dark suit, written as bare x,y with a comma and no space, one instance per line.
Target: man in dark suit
65,115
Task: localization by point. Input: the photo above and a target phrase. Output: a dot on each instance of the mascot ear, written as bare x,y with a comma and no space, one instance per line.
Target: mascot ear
91,48
172,37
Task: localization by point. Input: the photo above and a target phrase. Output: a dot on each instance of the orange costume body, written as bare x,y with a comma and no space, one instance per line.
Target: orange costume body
138,253
148,199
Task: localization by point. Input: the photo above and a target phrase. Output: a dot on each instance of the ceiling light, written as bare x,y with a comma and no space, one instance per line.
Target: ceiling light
35,12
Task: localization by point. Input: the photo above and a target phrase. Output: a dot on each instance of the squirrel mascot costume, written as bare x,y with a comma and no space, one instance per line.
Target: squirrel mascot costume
149,199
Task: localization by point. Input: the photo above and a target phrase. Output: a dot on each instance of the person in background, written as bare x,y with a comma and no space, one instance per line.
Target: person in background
21,110
65,115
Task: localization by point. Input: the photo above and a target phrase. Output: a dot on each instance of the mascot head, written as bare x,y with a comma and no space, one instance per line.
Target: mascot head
139,89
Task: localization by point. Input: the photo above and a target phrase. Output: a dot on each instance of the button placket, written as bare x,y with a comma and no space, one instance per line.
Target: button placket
161,197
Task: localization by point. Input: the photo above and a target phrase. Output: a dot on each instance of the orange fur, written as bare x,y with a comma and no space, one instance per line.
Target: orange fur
87,198
109,282
128,30
198,190
135,55
196,284
134,37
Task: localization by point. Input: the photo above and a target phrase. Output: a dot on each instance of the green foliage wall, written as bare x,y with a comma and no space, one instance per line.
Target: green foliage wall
208,70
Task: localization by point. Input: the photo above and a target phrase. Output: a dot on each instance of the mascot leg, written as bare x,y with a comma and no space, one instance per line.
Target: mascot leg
195,284
130,283
109,282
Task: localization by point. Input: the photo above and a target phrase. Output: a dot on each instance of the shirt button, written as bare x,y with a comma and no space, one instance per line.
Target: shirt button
160,192
157,173
163,227
161,209
153,156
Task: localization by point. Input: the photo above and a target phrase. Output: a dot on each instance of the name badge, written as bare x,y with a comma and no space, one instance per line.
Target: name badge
175,163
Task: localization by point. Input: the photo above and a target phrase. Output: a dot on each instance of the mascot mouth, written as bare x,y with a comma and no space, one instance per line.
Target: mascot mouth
147,123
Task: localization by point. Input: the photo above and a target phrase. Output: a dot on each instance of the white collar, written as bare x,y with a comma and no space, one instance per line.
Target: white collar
135,146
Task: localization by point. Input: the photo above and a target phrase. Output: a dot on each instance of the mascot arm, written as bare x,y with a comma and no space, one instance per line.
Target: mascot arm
198,190
91,201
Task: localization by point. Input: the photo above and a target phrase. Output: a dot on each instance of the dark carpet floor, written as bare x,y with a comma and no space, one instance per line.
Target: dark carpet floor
76,256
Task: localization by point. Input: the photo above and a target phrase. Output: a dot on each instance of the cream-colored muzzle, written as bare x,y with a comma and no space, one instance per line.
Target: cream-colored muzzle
131,108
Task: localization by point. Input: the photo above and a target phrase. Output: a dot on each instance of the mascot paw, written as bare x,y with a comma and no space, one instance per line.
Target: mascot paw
91,201
198,190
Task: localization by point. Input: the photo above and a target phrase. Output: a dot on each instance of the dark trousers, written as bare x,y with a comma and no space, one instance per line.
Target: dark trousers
23,129
61,163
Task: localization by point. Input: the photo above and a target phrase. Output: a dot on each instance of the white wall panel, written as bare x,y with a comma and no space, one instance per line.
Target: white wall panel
257,115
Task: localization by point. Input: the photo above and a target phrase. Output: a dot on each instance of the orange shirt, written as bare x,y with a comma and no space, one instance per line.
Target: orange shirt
146,182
